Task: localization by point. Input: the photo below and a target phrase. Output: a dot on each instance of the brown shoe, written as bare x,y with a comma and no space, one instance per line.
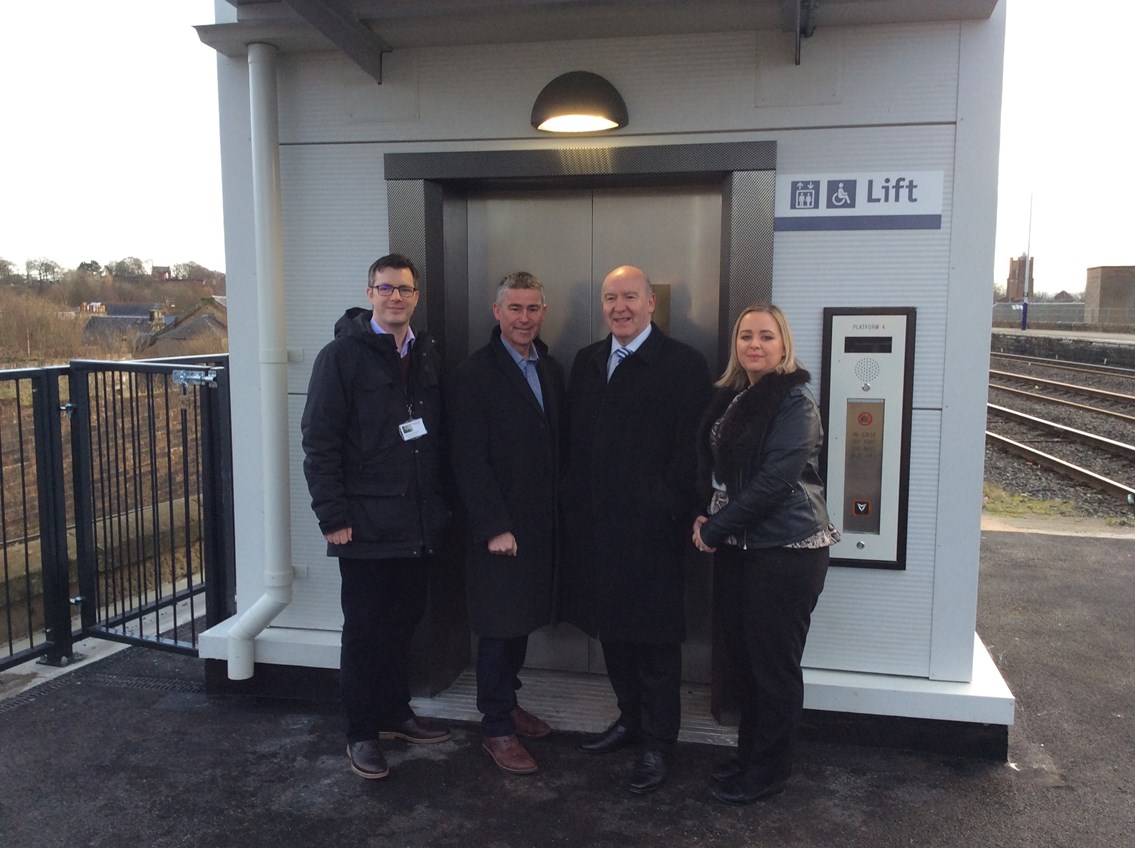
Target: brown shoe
528,725
509,754
366,760
418,730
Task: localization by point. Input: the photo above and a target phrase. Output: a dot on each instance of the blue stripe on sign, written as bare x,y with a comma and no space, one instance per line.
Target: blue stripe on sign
859,222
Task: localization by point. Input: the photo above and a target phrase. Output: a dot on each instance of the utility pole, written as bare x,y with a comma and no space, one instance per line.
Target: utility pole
1028,270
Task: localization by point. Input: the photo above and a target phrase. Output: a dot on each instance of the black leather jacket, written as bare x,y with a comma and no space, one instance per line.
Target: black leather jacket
768,458
360,472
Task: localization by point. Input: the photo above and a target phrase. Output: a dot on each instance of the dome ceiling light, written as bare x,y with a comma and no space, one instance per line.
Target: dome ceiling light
579,102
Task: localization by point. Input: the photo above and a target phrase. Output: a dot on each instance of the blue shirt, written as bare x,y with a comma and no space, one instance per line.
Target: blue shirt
613,358
528,367
406,345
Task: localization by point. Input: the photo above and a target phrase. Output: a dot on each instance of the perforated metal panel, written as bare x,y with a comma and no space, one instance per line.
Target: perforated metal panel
747,268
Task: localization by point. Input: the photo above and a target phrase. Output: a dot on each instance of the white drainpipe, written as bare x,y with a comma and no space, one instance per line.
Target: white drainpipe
278,569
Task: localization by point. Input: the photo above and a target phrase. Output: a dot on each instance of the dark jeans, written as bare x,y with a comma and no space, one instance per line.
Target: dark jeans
383,601
766,602
647,680
498,665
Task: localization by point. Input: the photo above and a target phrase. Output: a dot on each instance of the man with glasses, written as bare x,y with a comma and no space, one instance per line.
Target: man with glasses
372,455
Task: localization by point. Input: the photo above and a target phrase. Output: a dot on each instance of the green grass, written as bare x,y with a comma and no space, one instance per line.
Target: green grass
1007,505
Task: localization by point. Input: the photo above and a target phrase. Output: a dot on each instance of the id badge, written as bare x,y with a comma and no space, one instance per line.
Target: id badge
415,428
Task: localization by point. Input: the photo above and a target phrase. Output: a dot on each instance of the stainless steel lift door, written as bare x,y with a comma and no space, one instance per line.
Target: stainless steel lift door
571,239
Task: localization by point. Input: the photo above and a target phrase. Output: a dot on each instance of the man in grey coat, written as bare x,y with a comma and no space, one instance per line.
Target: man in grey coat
635,398
505,403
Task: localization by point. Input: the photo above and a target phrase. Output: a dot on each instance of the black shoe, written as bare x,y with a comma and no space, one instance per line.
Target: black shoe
366,759
736,794
726,770
617,736
650,771
418,730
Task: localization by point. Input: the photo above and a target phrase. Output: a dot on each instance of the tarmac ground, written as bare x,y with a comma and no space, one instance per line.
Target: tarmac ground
129,750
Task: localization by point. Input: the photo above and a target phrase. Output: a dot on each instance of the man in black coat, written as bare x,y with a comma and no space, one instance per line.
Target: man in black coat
635,400
505,404
372,455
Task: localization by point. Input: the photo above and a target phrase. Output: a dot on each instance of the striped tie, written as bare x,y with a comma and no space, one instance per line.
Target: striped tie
621,353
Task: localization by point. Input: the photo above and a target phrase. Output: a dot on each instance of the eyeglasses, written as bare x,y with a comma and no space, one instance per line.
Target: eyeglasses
385,290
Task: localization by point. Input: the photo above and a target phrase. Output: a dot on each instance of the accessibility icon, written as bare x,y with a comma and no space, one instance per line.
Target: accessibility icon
841,194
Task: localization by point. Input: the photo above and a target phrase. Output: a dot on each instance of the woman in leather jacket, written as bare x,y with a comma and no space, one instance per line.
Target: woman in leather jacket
767,525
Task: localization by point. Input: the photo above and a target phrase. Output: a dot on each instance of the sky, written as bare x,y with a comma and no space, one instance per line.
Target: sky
110,146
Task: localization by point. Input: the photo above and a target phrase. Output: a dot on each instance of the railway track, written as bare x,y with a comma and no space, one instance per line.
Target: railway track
1075,419
1113,403
1065,365
1103,456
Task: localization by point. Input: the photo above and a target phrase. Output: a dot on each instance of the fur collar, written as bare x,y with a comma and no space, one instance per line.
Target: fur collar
743,430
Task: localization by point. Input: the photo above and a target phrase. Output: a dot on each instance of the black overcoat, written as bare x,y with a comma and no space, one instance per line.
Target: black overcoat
506,458
629,494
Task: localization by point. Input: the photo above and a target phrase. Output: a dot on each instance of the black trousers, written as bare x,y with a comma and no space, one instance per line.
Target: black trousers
647,680
766,602
498,668
383,601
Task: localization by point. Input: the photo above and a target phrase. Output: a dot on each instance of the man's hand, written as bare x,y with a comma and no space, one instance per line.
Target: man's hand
503,545
338,537
698,543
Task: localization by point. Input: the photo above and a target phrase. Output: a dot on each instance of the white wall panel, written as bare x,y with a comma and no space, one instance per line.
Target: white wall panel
315,592
812,270
877,620
335,226
963,408
705,82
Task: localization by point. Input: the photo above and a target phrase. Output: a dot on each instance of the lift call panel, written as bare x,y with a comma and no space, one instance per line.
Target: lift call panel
866,402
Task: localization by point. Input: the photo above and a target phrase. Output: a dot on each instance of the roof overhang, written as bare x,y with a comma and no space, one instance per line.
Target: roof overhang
364,30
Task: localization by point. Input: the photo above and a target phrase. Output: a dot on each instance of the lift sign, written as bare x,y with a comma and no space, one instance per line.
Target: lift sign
899,200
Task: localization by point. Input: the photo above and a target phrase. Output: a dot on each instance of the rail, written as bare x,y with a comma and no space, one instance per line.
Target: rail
1067,365
1098,410
1067,468
1108,446
1070,388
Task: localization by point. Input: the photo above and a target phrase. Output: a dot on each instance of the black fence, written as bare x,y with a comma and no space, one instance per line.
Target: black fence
115,505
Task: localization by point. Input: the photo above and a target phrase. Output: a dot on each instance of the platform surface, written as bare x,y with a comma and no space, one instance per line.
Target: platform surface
129,750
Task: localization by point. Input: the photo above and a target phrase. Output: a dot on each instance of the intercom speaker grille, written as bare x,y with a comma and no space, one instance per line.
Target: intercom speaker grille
867,369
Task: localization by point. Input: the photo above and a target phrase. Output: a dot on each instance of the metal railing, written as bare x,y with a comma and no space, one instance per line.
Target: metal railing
1066,316
122,525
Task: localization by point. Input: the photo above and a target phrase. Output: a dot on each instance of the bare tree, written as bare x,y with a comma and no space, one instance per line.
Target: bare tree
43,270
8,271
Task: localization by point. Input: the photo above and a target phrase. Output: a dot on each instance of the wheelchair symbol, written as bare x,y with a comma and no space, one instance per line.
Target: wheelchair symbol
841,197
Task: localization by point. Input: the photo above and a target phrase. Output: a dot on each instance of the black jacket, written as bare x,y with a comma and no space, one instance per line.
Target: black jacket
768,458
506,460
360,472
629,492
